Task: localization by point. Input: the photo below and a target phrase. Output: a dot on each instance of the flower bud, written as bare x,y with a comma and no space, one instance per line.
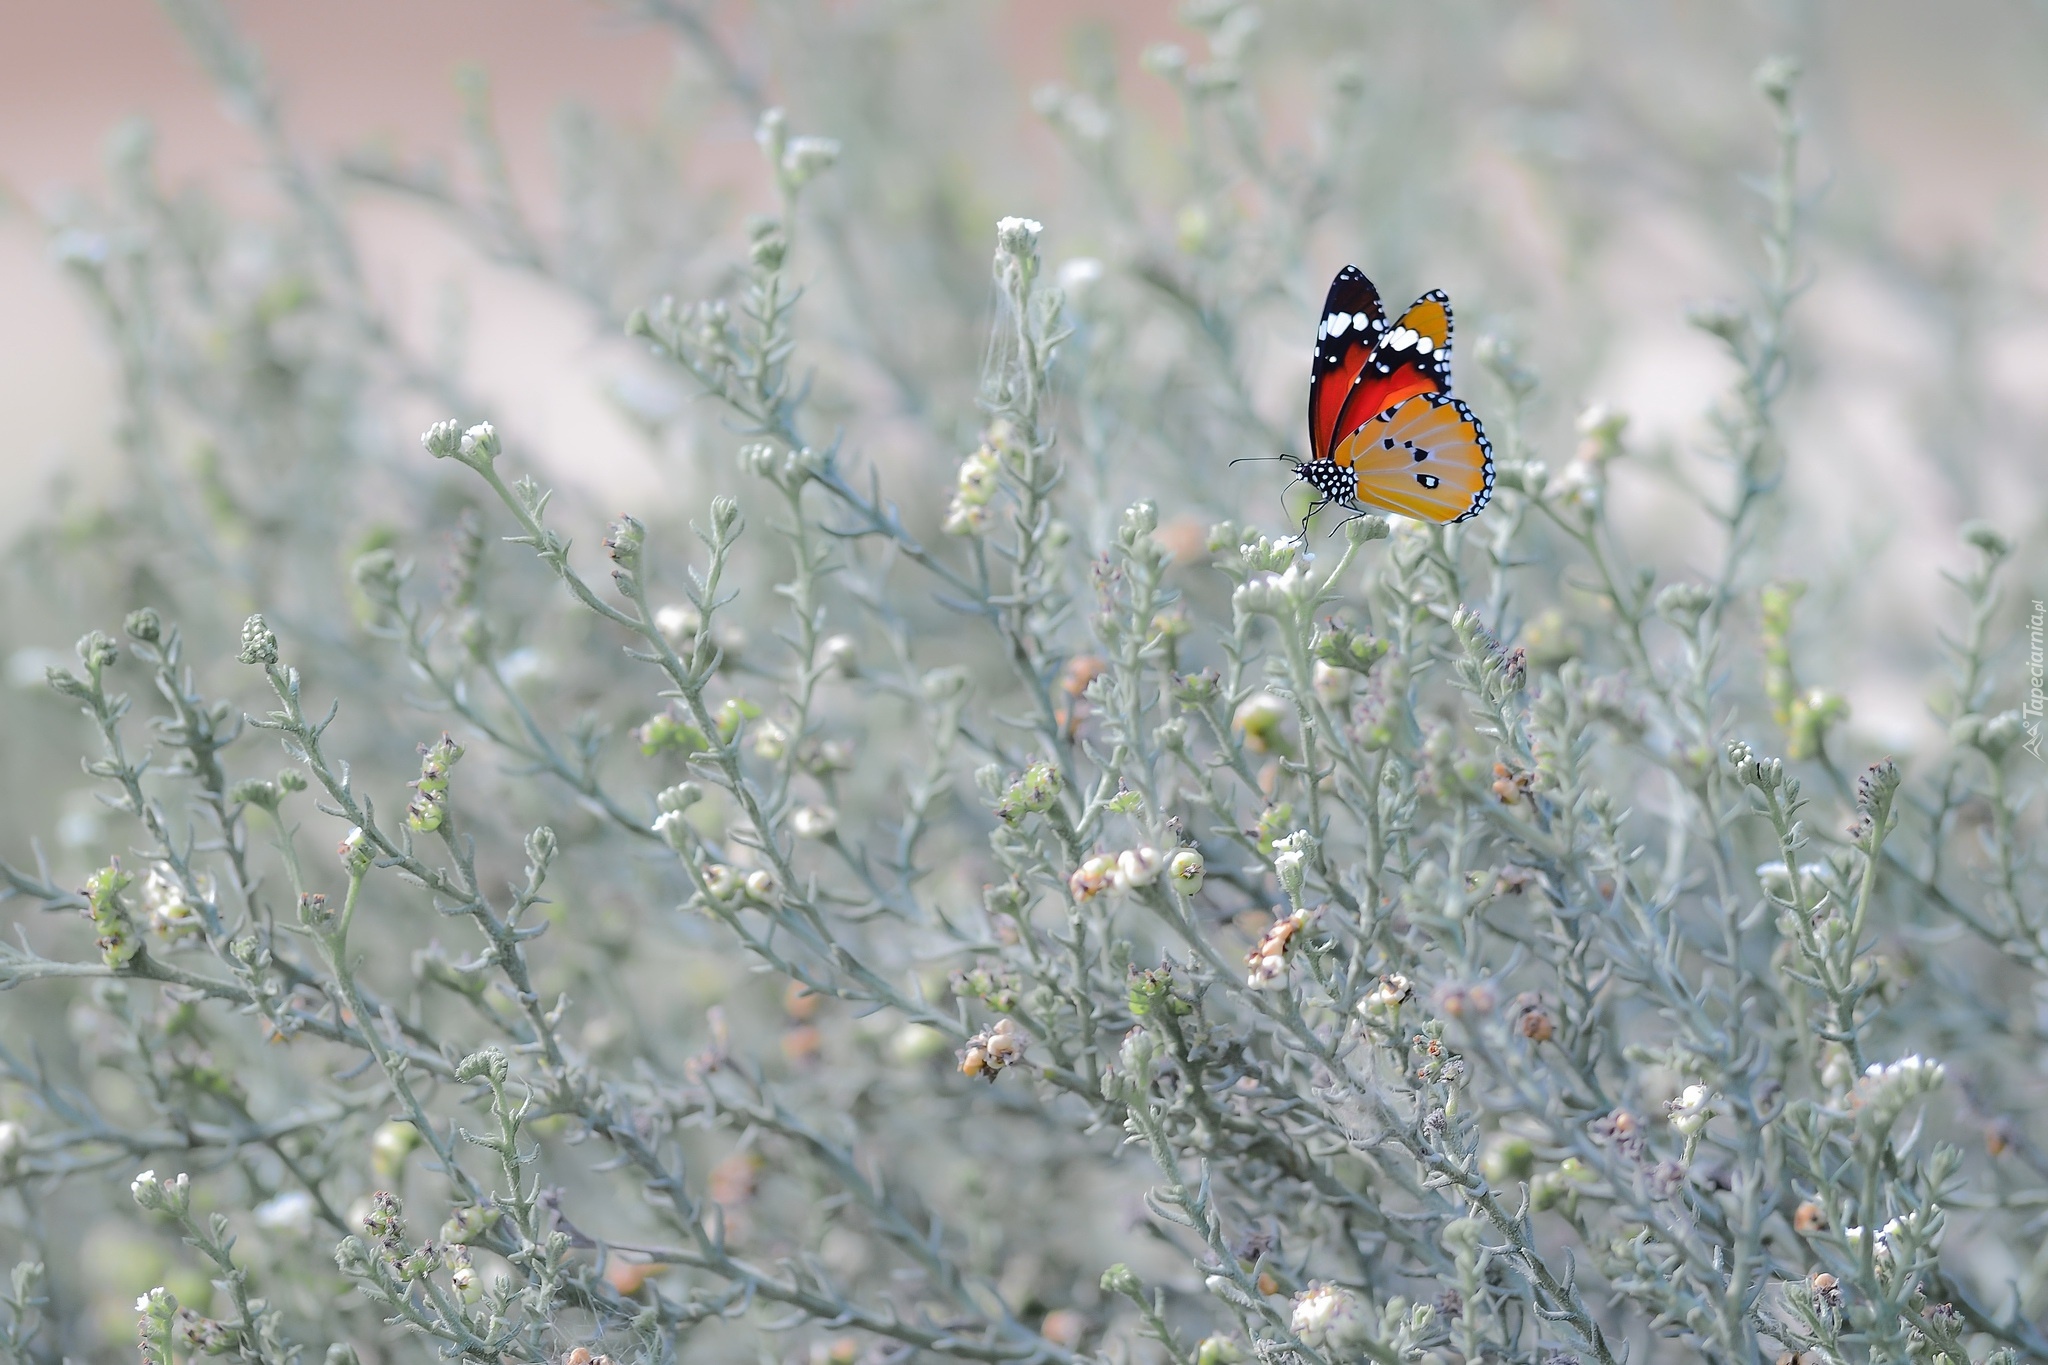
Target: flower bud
721,883
1018,237
1328,1315
1261,718
1185,871
1683,604
259,643
1775,78
725,516
840,654
1691,1110
1092,877
813,822
13,1142
1118,1279
390,1145
806,158
441,439
1363,530
1509,1160
1988,539
1332,686
1137,867
172,1196
1290,861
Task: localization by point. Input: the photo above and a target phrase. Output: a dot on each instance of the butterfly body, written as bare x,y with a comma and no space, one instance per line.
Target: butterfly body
1384,429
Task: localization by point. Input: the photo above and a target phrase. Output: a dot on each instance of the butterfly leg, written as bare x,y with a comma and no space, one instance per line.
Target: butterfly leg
1309,516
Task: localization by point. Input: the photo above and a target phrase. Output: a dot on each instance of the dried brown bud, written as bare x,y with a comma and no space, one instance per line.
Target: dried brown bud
1533,1019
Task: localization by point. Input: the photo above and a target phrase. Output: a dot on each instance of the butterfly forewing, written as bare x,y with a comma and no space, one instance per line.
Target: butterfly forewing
1346,336
1412,357
1427,458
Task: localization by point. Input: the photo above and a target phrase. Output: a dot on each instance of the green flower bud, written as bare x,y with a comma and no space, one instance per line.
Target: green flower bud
259,643
1119,1279
1509,1159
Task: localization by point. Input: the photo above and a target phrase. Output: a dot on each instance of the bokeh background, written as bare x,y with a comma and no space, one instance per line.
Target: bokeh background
1597,148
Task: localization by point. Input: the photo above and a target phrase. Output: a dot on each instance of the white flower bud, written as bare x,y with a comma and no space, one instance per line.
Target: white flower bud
1138,867
290,1212
813,822
1691,1110
1328,1315
1018,236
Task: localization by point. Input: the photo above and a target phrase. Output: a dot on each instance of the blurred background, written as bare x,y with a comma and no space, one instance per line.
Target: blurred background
1573,172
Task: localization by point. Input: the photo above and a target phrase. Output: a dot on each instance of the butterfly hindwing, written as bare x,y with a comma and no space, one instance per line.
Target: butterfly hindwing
1412,357
1426,458
1347,335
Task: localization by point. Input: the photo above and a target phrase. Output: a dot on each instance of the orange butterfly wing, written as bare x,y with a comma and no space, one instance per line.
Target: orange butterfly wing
1426,458
1412,357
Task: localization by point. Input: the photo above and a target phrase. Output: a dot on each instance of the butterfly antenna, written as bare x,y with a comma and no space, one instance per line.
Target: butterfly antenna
1243,459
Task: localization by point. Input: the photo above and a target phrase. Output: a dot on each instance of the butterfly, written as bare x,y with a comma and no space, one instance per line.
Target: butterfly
1384,429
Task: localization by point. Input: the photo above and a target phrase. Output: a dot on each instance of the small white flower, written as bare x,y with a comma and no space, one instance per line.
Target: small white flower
1392,989
1327,1315
1882,1093
1018,236
290,1212
1888,1239
805,157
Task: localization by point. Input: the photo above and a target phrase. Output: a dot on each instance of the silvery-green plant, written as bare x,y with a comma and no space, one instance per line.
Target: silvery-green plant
1016,923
